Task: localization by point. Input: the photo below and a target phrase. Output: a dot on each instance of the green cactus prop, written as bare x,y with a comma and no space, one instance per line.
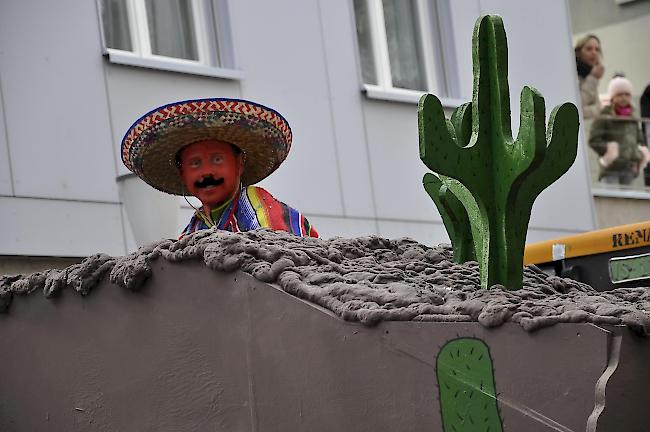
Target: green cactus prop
495,177
466,386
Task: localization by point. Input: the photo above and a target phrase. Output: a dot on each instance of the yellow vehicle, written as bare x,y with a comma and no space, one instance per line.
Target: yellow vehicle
605,259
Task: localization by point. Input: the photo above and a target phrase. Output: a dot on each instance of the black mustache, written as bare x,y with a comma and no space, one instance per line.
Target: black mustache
208,181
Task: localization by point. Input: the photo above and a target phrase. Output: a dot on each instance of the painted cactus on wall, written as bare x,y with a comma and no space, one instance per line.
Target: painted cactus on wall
479,165
468,397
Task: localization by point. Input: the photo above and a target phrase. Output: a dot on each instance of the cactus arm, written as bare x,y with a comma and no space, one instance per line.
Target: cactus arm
558,156
563,126
453,216
438,146
529,148
562,136
480,229
441,151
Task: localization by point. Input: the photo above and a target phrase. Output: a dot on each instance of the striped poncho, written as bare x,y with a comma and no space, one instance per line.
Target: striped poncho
253,207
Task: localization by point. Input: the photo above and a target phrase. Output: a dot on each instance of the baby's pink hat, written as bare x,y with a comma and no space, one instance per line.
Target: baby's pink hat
619,85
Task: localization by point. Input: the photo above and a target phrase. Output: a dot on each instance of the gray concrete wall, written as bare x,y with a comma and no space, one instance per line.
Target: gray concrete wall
353,169
587,15
615,211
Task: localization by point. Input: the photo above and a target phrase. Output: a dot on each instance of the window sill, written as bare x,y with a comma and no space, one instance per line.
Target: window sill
621,193
404,96
172,65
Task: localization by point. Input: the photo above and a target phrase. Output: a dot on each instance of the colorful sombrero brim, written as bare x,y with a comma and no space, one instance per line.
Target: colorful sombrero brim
150,145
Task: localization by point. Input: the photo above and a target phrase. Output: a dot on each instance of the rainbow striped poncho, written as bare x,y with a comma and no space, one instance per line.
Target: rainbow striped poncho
252,208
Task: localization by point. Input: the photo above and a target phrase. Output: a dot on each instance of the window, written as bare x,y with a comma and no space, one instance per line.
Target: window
182,35
401,47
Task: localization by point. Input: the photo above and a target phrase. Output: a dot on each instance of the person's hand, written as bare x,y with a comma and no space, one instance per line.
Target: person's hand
611,154
645,157
598,70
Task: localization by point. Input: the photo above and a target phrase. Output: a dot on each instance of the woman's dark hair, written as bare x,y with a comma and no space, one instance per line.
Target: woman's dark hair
583,68
645,103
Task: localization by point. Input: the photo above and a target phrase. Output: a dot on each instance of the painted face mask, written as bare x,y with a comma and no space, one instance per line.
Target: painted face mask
211,171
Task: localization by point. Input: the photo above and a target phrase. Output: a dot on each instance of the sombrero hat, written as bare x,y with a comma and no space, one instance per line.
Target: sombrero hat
150,145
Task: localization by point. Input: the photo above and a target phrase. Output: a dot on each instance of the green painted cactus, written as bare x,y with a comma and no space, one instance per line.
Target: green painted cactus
495,177
468,400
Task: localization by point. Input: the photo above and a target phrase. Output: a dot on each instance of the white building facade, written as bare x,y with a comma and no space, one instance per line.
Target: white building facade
74,75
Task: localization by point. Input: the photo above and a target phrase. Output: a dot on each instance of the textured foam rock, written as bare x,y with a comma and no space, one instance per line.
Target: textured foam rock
366,279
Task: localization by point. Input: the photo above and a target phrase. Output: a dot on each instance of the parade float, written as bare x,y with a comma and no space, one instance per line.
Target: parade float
264,330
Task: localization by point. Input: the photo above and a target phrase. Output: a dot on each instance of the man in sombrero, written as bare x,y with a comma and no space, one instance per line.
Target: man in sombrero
216,150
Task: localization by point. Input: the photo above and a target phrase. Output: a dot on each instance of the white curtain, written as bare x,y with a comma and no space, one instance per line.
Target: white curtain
404,47
171,28
364,38
116,25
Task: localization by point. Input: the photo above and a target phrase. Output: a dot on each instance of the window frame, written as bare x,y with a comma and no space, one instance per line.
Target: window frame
216,58
434,22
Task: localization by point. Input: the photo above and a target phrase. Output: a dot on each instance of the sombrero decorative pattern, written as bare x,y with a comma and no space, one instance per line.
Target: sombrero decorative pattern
150,145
